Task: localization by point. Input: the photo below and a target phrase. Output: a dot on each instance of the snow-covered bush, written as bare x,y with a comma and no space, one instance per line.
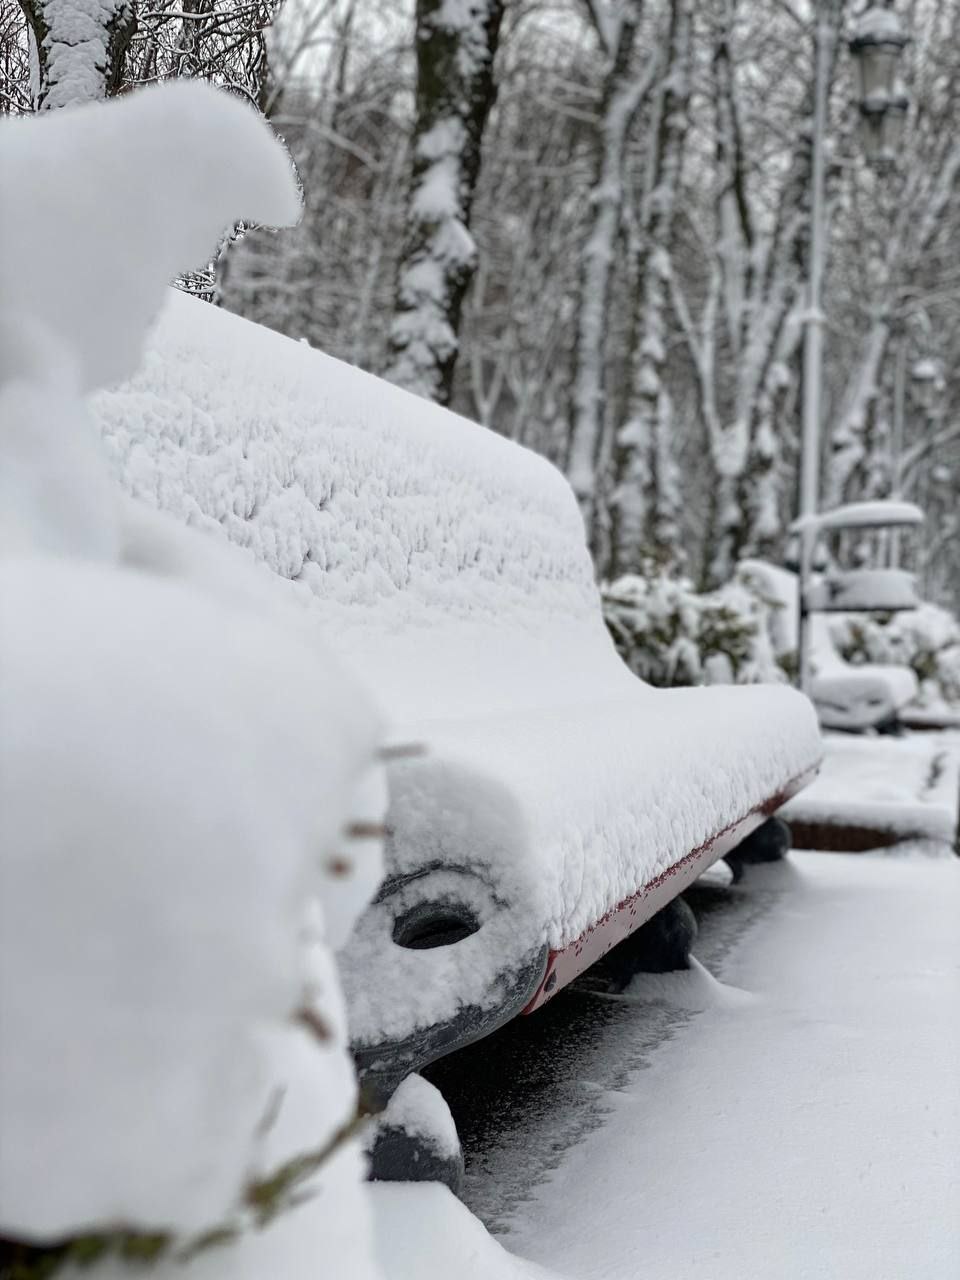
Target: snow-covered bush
670,634
188,784
926,639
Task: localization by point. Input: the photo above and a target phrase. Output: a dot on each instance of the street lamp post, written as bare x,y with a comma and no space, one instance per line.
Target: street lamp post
813,342
877,42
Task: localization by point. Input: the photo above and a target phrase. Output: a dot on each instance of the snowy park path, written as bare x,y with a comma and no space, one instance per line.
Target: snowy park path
810,1128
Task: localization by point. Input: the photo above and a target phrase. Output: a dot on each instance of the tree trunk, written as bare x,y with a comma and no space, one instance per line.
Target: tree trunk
623,91
456,45
79,58
644,514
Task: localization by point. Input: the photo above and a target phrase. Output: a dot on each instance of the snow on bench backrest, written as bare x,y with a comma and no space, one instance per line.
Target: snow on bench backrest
448,564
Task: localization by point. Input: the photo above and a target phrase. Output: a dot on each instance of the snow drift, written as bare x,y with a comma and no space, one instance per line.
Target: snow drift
179,760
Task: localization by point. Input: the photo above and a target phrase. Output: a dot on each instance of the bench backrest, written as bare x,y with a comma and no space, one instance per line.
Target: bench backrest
447,563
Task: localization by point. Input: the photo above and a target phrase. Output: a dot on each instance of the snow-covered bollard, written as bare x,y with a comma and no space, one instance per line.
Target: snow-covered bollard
187,782
415,1138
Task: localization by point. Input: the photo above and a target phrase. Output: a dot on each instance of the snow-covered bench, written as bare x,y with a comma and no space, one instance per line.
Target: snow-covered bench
557,802
847,697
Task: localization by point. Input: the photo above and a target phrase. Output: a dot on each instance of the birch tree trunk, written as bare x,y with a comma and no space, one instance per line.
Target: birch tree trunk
456,44
623,91
80,49
643,505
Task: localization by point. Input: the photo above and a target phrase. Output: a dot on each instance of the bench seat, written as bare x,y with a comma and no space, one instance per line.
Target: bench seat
569,812
447,566
849,697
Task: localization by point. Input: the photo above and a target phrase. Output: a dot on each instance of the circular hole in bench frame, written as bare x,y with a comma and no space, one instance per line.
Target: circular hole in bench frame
434,924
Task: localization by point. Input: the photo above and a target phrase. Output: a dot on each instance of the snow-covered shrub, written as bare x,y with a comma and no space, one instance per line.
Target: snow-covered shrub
670,634
188,784
926,639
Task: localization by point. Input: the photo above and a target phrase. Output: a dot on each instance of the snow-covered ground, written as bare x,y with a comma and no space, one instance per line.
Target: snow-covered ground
807,1122
787,1110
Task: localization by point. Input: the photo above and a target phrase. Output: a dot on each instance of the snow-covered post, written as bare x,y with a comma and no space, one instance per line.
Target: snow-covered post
623,91
813,351
644,503
456,43
80,48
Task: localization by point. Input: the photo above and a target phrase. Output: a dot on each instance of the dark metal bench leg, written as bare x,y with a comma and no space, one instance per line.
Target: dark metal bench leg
769,843
662,945
420,1153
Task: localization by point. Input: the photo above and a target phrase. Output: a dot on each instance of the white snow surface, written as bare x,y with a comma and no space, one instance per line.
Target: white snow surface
179,760
847,697
448,567
882,513
418,1108
827,1142
423,1232
909,786
855,589
330,1232
166,809
201,160
76,48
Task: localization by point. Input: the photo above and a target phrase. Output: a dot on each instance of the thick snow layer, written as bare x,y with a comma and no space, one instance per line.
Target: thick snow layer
111,200
879,24
448,567
423,1232
405,523
854,589
78,36
779,586
329,1233
565,814
181,763
811,1131
880,514
848,697
909,786
854,697
167,807
417,1107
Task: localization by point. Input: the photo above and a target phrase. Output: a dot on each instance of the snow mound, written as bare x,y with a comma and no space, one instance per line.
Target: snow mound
694,990
418,1109
78,258
181,765
166,808
423,1232
847,696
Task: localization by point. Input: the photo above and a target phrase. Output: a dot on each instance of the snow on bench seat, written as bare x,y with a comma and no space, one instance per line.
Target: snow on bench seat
875,792
448,567
848,696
